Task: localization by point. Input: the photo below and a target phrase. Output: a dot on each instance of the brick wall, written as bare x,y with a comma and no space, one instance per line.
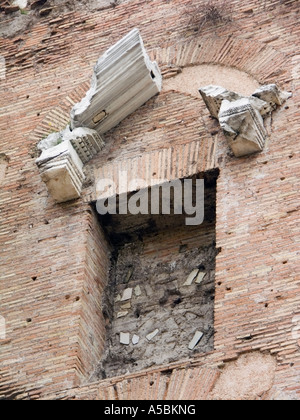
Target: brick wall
53,257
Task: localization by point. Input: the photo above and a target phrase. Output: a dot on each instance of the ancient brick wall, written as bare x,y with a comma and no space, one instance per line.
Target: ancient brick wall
55,259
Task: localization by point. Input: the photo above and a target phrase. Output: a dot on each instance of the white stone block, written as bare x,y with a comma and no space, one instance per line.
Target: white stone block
272,95
213,97
191,278
138,291
125,338
152,335
127,295
54,139
200,278
86,142
243,126
122,314
135,340
22,4
242,117
124,79
126,306
61,170
195,341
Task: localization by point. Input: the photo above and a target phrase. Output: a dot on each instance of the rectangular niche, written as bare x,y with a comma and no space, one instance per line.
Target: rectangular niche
159,303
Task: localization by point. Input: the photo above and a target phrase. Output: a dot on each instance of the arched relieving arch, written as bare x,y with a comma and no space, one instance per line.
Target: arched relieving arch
259,60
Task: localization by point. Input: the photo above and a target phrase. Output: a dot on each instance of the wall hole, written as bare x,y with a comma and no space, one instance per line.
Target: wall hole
161,282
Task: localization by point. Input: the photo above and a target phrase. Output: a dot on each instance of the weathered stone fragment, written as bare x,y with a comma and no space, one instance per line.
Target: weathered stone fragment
272,95
243,126
197,337
200,278
125,338
85,141
61,170
191,277
152,335
213,97
124,79
122,314
138,291
135,340
242,117
127,295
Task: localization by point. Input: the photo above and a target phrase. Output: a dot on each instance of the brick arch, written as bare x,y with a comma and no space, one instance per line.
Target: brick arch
259,60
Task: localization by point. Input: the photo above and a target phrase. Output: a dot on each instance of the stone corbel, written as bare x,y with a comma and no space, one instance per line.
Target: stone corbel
61,170
124,79
241,117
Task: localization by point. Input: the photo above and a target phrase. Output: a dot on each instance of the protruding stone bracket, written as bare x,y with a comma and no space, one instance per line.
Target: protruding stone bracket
241,117
124,79
61,170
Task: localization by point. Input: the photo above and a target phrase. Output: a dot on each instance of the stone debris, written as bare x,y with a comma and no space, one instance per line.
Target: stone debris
22,4
191,278
127,295
135,340
241,117
243,126
126,306
61,170
195,341
122,314
272,95
200,278
138,291
125,338
124,79
152,335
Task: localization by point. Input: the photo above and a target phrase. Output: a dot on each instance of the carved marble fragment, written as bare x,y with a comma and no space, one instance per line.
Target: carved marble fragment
124,79
61,170
241,117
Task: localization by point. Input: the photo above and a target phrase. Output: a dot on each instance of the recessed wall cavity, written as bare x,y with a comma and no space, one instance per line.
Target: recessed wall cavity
159,303
189,79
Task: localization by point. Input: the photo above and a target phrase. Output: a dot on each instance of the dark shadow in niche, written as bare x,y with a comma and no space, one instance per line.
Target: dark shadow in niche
161,288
